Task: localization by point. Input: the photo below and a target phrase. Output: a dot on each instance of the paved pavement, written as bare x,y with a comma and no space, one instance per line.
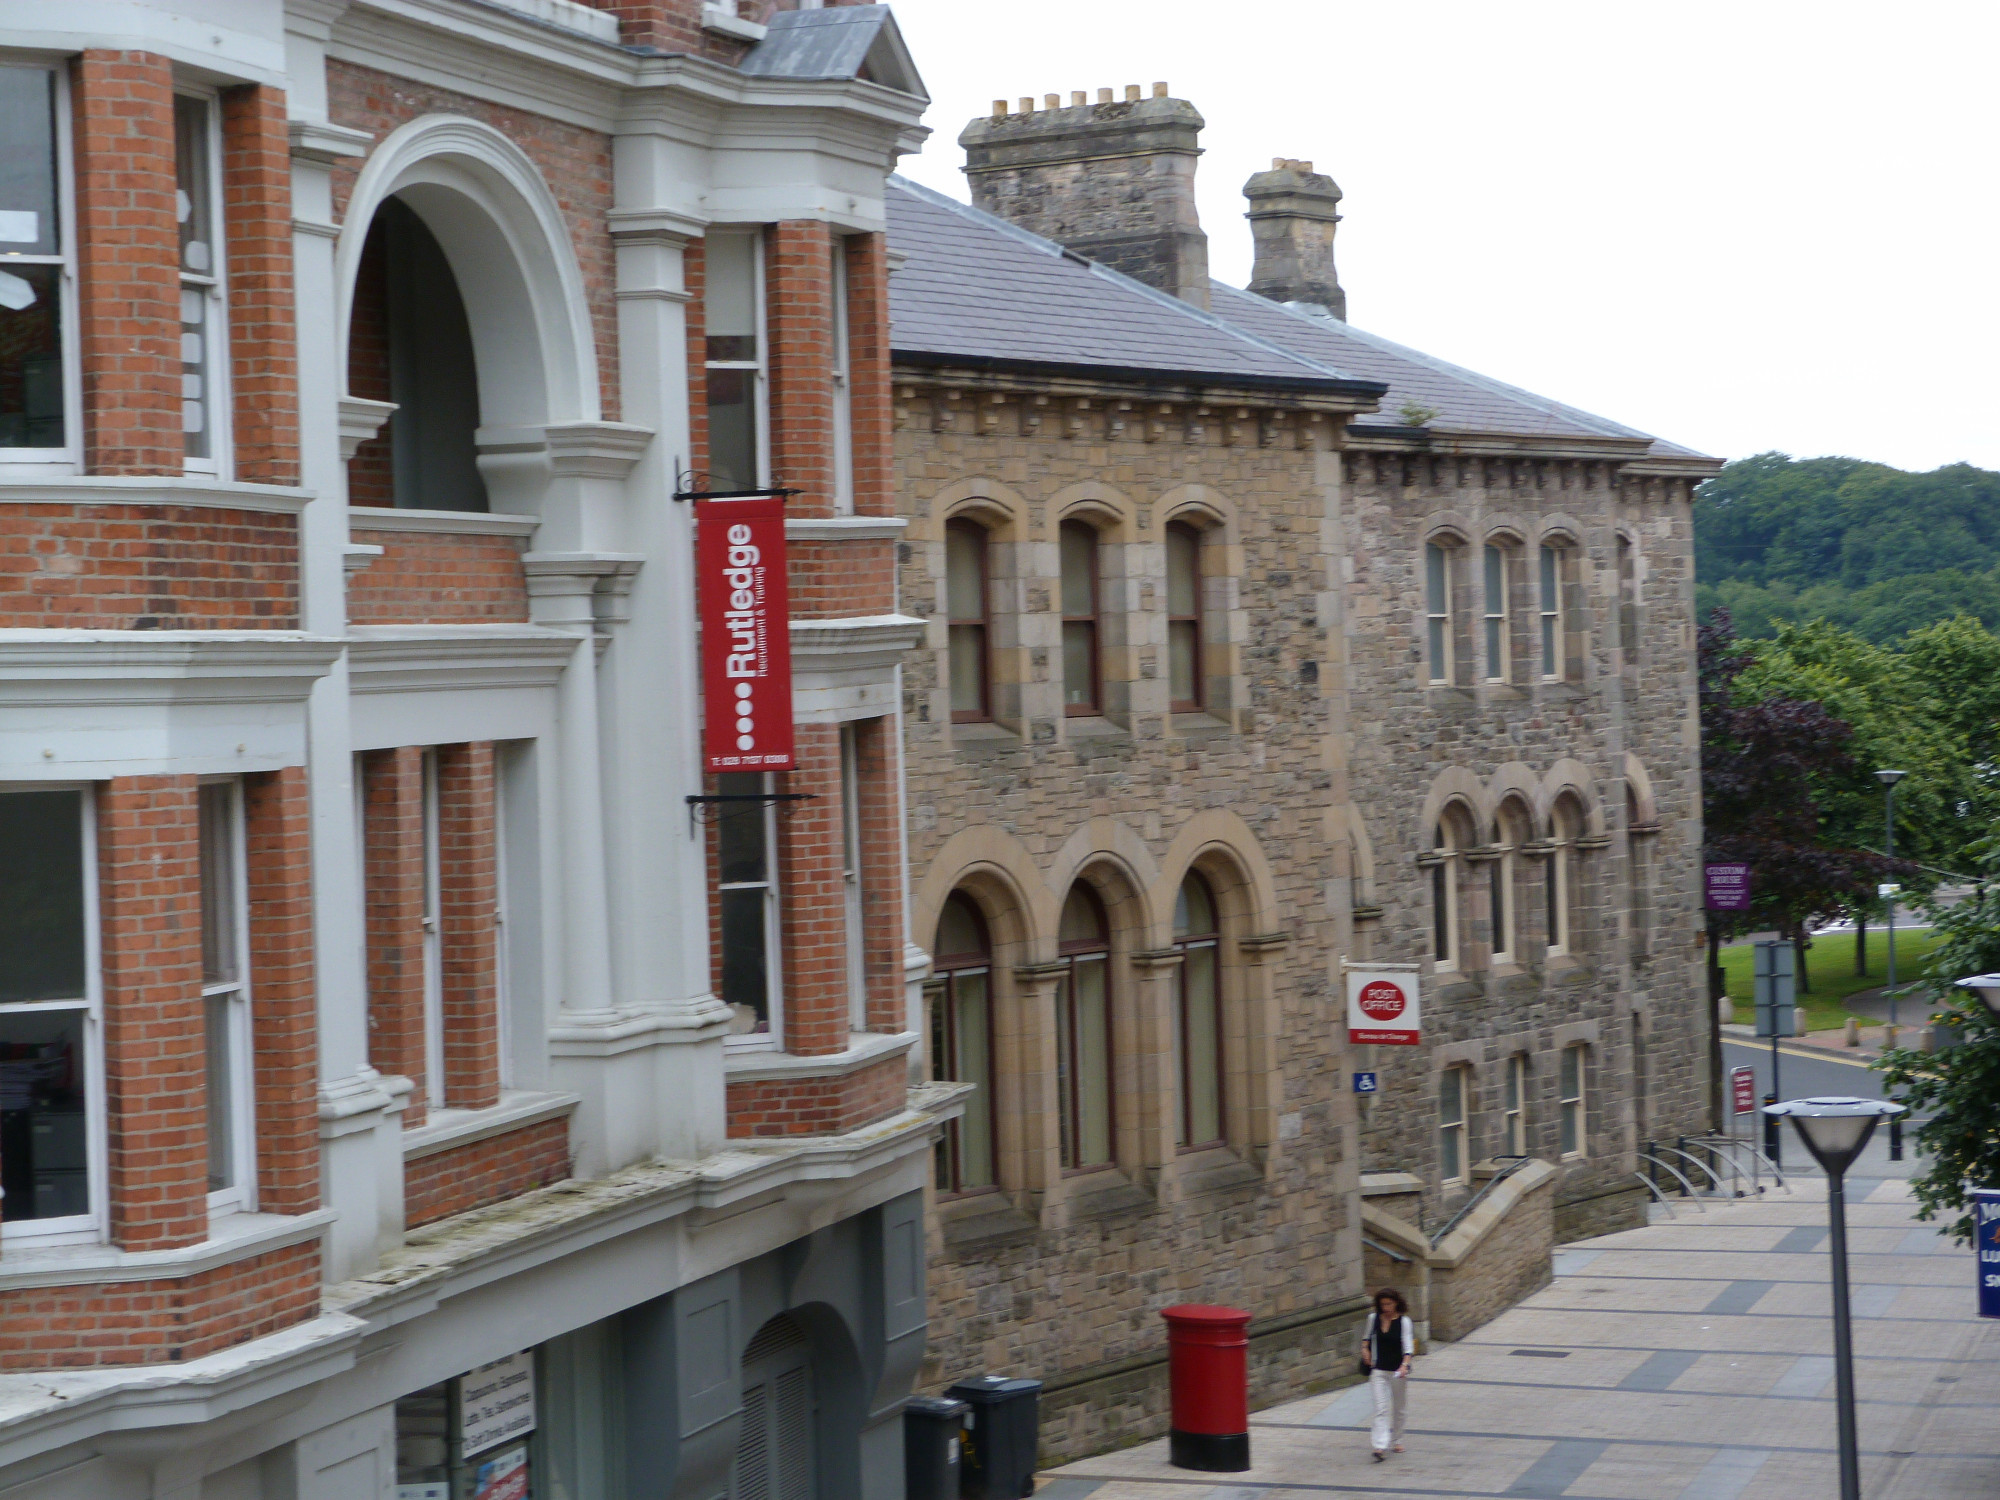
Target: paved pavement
1690,1360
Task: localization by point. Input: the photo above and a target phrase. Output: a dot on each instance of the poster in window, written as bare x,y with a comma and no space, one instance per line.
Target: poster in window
496,1403
1382,1006
746,642
504,1476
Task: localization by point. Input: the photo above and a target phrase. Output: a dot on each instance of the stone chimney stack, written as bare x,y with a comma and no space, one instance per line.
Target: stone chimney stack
1292,218
1112,180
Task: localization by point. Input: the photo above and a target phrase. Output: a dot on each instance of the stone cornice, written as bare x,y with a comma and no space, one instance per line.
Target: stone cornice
925,373
162,489
441,522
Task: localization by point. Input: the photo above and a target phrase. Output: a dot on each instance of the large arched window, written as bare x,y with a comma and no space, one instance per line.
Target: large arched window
962,1043
1442,564
1451,837
1510,831
967,606
1083,1031
1565,827
1083,673
1197,934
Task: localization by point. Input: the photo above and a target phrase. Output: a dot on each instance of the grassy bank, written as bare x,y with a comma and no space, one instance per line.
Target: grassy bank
1830,966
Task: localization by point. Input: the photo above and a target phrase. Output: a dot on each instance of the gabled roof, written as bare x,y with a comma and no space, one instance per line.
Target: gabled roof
846,41
976,290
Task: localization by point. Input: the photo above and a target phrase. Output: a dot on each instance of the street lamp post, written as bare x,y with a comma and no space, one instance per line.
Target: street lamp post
1835,1130
1889,780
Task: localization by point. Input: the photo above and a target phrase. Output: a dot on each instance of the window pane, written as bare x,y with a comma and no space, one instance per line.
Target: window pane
1183,648
968,669
1079,570
1493,657
1440,913
1437,644
1079,657
1571,1079
193,203
1203,1047
1194,909
1513,1083
28,222
1451,1096
1093,1064
31,383
965,573
1496,581
1434,579
729,294
1502,926
218,888
43,1161
732,429
959,930
41,896
975,1139
1183,572
1082,918
745,980
740,830
1570,1132
221,1117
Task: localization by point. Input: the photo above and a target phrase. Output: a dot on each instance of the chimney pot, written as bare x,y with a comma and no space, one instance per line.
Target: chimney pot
1076,99
1027,105
1052,101
1293,214
999,109
1159,91
1131,93
1104,96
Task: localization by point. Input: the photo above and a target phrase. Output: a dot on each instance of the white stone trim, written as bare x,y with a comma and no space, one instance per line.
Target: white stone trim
231,1237
156,489
846,529
434,658
864,1049
443,522
844,669
448,1129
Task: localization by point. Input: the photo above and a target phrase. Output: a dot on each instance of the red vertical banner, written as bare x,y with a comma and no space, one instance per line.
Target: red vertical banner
746,634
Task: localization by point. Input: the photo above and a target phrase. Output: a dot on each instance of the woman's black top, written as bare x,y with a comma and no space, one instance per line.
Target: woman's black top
1386,1344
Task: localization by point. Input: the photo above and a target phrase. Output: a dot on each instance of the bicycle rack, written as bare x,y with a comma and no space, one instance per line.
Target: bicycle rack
1686,1186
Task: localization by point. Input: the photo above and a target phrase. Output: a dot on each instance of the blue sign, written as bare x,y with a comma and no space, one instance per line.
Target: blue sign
1364,1083
1986,1246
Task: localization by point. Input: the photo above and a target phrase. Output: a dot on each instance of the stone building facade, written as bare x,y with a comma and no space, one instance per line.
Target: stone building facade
1215,702
418,1077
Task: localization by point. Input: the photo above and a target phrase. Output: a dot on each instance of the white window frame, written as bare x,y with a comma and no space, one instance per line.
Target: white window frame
433,925
1439,648
1506,918
1514,1115
1444,889
241,1195
1455,1130
761,365
843,387
38,463
85,1228
214,289
1496,644
1550,603
850,879
1561,889
774,956
1573,1117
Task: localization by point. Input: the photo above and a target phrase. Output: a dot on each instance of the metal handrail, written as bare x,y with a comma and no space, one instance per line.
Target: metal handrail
1686,1186
1514,1164
1394,1254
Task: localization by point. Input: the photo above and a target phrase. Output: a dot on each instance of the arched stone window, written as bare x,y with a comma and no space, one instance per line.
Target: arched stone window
1443,562
961,1040
1084,1082
1197,933
1080,593
1511,829
968,608
1185,675
1451,837
1566,826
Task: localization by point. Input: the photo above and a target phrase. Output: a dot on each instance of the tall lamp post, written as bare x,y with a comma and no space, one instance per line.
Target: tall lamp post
1889,780
1835,1130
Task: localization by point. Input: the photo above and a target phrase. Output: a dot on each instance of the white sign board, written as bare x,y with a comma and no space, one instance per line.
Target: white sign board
496,1402
1382,1008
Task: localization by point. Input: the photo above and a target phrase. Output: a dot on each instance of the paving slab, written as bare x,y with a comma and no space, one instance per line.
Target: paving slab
1690,1360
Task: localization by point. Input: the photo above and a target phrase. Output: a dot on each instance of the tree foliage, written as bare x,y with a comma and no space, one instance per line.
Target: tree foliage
1770,763
1876,550
1959,1087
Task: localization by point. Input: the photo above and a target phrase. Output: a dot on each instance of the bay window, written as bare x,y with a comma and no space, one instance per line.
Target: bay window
51,1081
37,272
225,997
843,389
204,343
733,307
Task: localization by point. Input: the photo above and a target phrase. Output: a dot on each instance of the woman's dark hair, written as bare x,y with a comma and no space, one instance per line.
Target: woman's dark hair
1402,1307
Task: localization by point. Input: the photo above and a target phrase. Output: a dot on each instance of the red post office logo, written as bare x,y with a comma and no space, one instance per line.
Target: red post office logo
1381,1000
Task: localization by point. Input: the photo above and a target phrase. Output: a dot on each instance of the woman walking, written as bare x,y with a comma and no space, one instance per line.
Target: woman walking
1387,1341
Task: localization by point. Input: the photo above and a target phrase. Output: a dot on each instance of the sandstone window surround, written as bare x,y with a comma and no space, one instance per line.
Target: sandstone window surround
1514,1112
1201,1030
1562,611
1086,1081
1079,592
1451,839
1186,675
1511,831
1563,877
1453,1104
1451,649
1574,1139
1496,637
41,390
969,630
1641,829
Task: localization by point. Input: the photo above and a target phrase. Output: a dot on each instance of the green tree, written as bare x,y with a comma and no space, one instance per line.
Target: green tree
1958,1087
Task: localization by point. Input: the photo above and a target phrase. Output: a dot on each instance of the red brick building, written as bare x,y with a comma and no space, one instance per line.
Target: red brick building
413,1067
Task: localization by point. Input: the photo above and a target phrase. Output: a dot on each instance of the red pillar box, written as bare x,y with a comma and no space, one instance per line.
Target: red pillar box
1207,1354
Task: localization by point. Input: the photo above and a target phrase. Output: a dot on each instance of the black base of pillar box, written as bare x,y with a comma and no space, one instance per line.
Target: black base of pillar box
1214,1453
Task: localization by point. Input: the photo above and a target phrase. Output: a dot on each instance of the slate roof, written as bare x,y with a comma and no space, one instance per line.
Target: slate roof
978,290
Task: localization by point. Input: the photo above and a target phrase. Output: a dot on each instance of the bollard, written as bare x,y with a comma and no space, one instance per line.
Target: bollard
1209,1380
1771,1134
1853,1032
1889,1035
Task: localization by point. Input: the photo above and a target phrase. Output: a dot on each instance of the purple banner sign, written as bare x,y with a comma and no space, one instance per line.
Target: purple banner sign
1728,887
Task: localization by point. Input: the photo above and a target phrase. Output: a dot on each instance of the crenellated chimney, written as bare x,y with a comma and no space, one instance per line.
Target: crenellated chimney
1112,180
1292,218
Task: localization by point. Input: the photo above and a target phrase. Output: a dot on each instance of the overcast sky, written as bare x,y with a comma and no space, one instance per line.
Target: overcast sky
1744,226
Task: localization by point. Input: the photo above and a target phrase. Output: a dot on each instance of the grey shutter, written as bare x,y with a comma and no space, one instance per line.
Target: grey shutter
753,1447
